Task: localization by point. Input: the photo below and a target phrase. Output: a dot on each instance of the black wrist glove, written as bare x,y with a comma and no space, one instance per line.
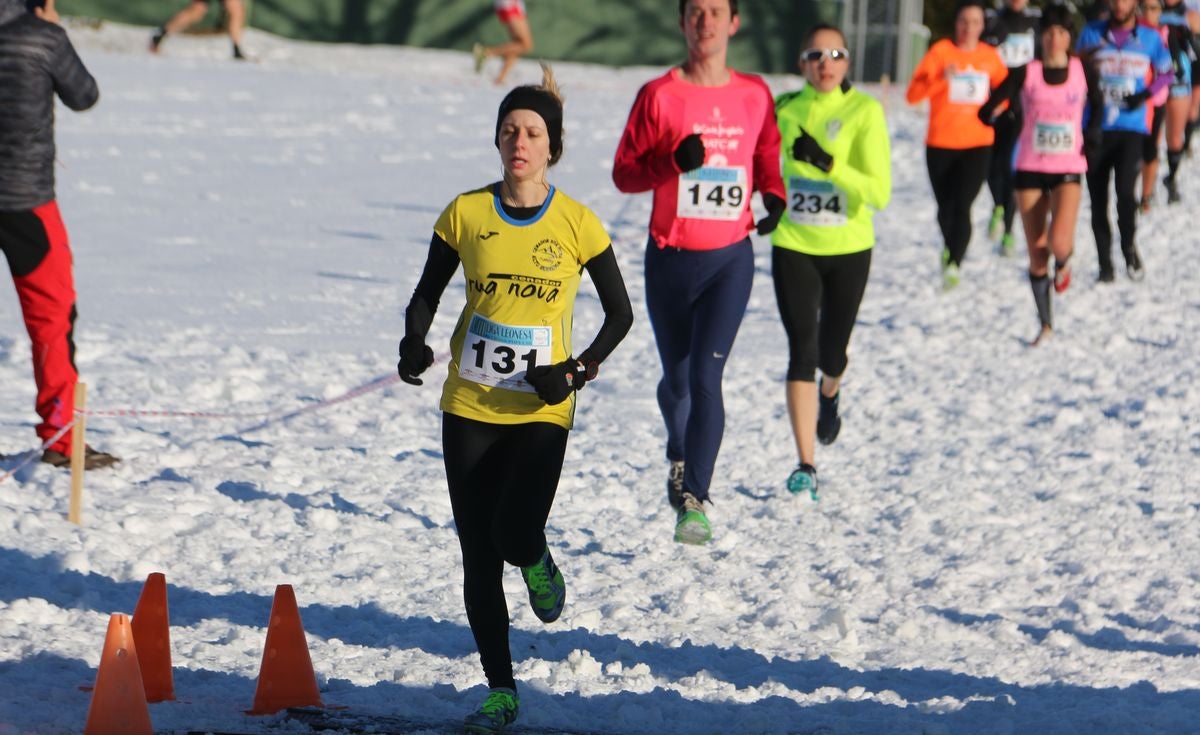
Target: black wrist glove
415,357
985,114
775,207
807,149
690,153
1135,100
555,383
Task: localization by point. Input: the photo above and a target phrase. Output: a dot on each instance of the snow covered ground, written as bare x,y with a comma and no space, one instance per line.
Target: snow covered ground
1007,540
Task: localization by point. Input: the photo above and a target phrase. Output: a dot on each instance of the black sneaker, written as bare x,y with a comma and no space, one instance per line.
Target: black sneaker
1133,265
675,484
1106,273
92,459
237,53
1172,190
828,421
157,39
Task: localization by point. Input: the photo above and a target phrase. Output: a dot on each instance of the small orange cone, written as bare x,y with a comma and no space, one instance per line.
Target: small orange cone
286,678
153,639
118,704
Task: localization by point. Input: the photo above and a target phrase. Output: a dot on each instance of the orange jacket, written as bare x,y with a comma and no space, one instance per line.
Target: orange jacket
955,98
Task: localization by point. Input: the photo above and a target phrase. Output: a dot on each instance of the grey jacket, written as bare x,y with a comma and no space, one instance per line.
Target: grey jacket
37,61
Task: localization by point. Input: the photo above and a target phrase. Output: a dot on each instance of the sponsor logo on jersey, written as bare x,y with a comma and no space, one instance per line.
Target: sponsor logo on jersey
547,255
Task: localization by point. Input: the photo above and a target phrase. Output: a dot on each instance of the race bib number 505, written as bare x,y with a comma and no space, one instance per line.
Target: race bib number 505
712,192
499,354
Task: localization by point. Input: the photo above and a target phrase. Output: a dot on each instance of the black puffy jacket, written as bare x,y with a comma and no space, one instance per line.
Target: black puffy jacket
37,61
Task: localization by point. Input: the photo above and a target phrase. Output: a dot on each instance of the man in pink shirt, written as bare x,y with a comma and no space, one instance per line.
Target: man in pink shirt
703,138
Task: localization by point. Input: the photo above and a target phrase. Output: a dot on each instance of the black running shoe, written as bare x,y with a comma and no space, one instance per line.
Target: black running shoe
1172,190
1133,265
1106,273
828,421
157,39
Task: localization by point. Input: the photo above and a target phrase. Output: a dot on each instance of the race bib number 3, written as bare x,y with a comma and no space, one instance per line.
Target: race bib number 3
969,88
1054,139
712,192
499,354
815,202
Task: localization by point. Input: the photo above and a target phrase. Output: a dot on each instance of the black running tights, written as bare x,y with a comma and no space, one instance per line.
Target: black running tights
818,297
1119,157
956,176
1000,172
502,480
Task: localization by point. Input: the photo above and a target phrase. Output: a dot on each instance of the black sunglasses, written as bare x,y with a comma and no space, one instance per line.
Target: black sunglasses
813,55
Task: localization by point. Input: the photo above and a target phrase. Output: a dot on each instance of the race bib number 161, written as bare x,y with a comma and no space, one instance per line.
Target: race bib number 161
499,354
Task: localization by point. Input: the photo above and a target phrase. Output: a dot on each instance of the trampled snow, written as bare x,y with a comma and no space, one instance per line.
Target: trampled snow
1007,541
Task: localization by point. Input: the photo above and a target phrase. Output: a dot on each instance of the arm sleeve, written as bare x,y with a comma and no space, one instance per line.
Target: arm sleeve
868,172
927,80
72,82
618,313
639,165
1006,90
767,178
1095,98
440,266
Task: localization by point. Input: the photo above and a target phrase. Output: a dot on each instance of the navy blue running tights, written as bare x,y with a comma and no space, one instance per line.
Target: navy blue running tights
696,300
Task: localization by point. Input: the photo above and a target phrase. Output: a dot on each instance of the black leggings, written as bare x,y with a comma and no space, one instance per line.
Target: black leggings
818,297
956,176
1000,172
1120,154
1150,142
502,481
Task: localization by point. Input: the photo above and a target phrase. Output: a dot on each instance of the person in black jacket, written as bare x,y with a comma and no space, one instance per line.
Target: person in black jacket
1012,30
37,61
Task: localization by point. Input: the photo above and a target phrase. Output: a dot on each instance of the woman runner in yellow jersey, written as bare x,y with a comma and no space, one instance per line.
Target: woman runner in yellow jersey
509,398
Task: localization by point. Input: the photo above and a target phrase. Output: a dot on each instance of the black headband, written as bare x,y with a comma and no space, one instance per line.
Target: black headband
543,103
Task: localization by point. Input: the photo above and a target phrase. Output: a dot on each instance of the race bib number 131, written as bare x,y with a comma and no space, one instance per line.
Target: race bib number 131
499,354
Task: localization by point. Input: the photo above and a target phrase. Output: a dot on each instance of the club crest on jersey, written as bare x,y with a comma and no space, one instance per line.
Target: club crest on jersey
832,128
547,255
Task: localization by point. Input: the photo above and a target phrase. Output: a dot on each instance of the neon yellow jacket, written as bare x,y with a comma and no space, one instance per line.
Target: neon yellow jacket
832,213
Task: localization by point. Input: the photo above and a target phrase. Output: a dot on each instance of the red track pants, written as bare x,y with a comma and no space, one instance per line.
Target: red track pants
35,244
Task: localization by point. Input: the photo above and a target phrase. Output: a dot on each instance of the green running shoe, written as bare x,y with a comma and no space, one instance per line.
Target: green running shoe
950,277
547,590
691,525
996,222
803,479
1008,243
497,712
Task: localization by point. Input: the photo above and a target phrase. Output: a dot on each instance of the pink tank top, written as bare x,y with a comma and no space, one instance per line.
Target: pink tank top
1051,139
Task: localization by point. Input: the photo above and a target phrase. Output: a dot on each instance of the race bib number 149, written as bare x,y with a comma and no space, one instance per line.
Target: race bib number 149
712,192
499,354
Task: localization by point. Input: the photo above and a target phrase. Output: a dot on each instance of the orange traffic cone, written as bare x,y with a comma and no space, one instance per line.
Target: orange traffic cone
153,639
118,704
286,678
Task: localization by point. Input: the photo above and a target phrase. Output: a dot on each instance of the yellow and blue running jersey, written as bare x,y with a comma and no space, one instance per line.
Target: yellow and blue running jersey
521,280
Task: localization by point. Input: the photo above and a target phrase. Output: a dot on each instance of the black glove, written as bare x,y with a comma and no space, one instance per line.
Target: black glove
775,207
690,153
807,149
1135,100
415,357
555,383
